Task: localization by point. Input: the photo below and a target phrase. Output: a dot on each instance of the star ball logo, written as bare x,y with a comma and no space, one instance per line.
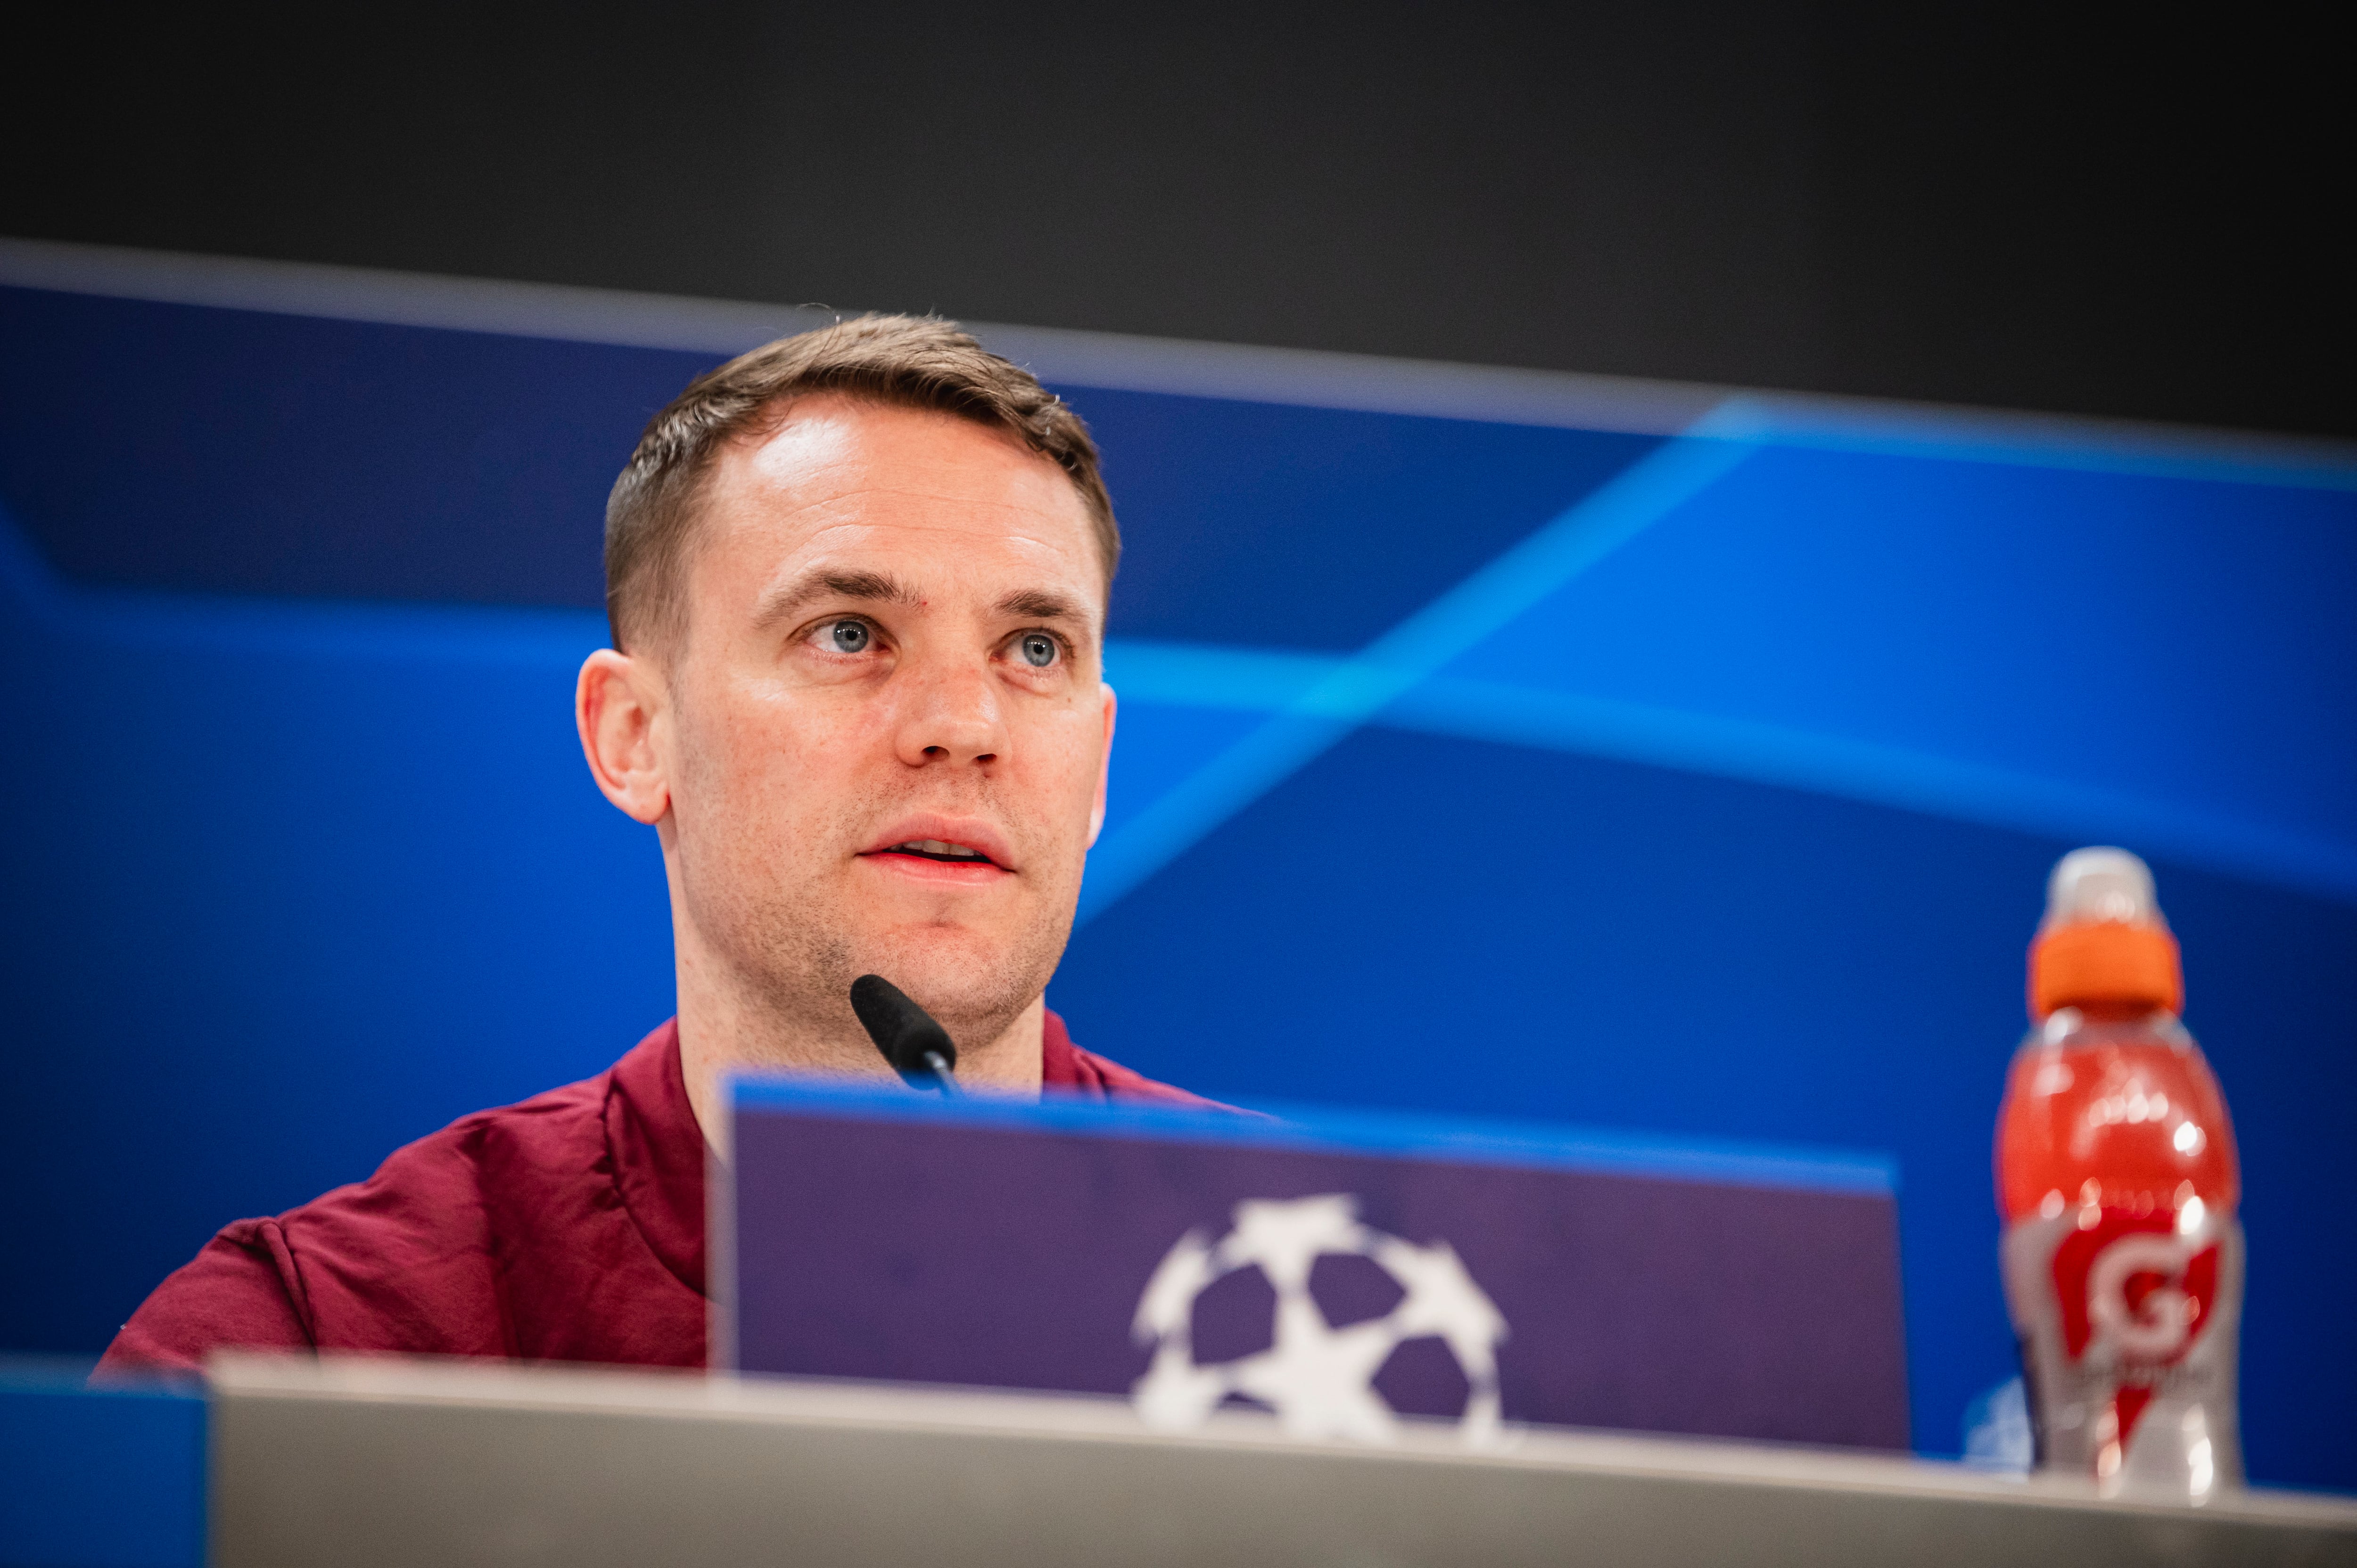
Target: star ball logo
1319,1377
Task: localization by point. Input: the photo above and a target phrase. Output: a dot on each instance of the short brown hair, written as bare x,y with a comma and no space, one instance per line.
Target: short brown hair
908,361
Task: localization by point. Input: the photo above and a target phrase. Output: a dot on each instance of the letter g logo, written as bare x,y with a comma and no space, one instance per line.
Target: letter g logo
2153,1324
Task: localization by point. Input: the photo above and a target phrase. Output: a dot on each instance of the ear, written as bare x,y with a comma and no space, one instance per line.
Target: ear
1105,768
617,704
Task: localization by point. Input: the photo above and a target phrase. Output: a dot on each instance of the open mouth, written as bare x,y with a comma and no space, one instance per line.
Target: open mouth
942,850
950,850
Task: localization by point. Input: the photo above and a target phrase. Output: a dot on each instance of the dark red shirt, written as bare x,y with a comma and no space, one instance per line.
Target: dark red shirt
569,1228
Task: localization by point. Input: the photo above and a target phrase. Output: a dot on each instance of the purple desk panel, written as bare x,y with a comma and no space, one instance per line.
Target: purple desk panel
1336,1269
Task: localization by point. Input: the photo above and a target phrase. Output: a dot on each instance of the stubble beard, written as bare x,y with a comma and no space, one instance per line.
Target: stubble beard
794,948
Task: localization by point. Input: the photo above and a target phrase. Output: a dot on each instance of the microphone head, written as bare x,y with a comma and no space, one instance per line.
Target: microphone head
903,1031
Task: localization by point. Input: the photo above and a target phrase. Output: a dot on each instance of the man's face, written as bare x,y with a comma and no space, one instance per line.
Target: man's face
888,727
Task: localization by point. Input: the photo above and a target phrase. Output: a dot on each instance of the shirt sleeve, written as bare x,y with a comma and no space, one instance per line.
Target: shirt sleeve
240,1291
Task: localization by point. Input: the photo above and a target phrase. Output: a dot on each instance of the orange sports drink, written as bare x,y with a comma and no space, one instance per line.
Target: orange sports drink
2116,1178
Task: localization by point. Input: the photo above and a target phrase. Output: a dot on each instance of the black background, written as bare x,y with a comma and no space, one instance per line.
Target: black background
1943,201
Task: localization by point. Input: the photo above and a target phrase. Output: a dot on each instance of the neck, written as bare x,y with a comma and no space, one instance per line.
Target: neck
727,1023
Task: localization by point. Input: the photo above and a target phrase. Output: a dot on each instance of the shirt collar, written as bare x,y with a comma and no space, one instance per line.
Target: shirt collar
660,1160
659,1153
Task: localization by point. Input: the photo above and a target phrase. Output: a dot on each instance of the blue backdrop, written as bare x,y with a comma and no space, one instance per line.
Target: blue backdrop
1694,782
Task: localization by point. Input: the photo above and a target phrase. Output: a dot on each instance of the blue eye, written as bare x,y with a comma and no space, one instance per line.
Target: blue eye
849,636
1038,649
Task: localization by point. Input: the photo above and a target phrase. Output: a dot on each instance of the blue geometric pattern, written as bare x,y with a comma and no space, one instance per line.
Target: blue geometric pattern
2265,786
1696,788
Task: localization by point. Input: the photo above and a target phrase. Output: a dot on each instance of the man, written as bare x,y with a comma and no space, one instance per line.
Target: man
857,581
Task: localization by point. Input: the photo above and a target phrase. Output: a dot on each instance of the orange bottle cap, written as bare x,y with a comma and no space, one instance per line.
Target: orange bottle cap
2111,961
2104,939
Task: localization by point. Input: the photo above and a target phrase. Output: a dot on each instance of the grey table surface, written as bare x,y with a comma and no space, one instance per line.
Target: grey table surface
372,1460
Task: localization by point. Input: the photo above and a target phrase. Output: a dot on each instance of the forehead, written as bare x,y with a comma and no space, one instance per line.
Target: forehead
905,490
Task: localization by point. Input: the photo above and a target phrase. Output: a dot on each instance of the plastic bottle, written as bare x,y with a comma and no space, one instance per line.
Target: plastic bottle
2118,1181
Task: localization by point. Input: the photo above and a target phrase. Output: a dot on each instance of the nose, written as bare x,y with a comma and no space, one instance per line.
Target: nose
950,716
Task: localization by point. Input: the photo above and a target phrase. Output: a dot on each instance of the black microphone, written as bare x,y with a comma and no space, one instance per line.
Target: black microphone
919,1048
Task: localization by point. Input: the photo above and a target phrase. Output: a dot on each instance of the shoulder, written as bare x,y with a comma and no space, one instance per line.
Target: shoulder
409,1259
1115,1081
400,1261
1065,1066
429,1194
241,1290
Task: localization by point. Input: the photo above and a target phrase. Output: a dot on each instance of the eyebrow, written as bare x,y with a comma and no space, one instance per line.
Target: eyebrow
1034,604
874,587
